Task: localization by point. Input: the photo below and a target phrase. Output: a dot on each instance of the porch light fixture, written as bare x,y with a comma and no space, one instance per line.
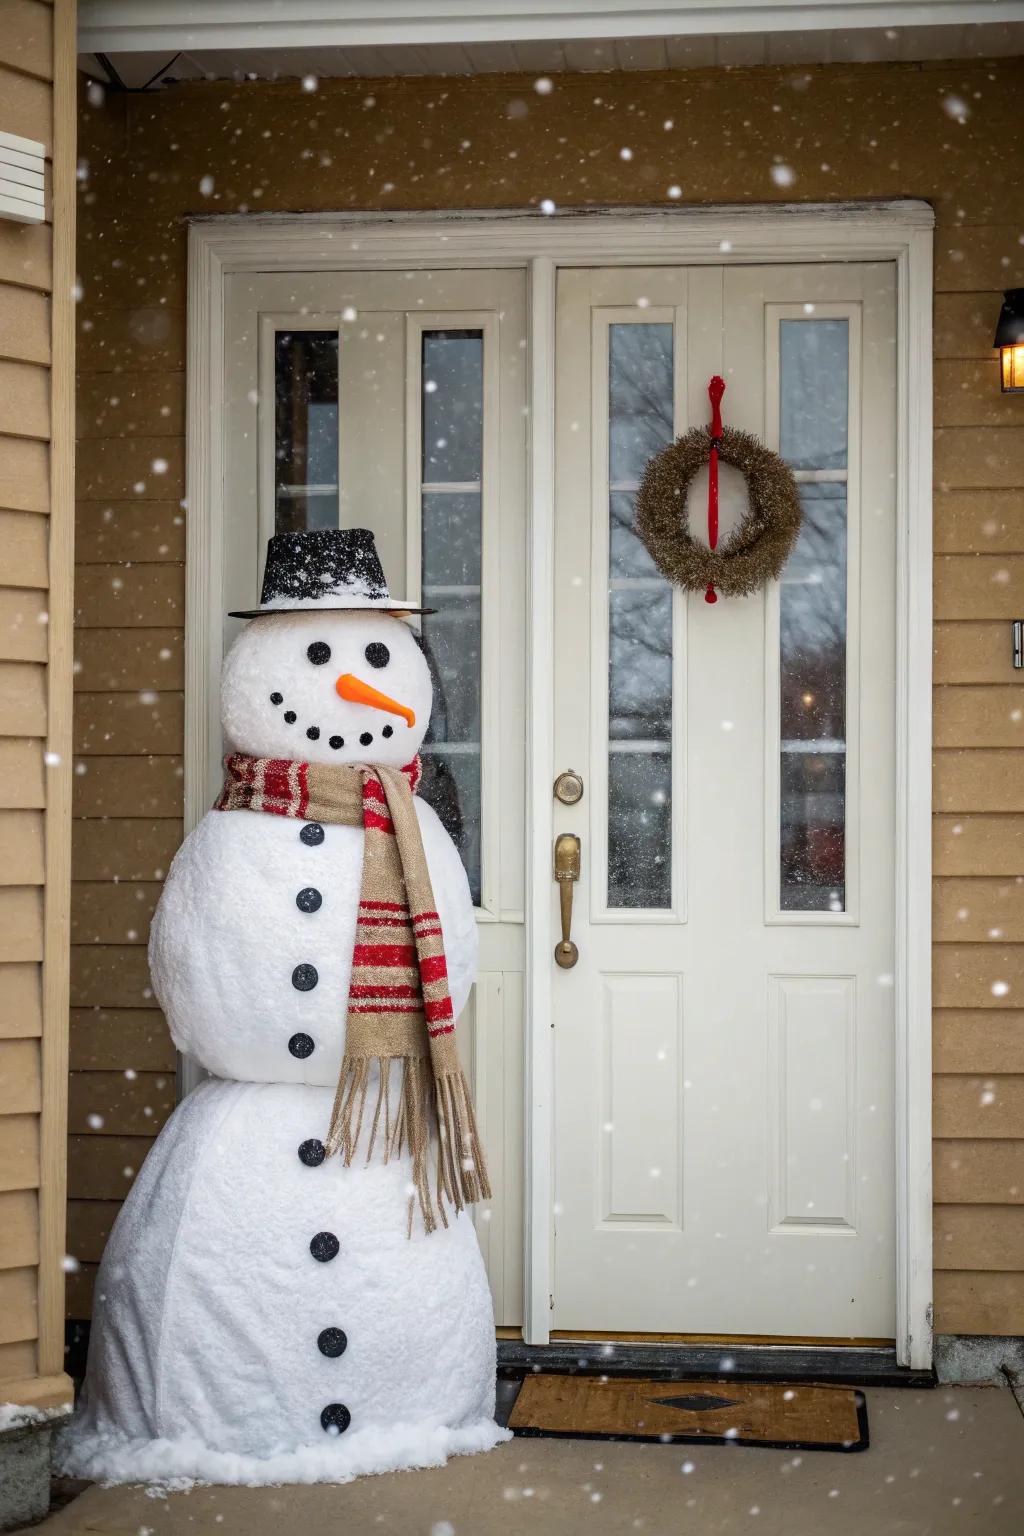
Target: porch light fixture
1010,341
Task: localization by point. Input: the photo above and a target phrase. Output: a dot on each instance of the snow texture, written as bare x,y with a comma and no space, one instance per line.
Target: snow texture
206,1359
323,562
269,660
22,1415
228,935
178,1464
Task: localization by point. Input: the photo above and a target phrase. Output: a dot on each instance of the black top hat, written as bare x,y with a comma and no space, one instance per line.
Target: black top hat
325,569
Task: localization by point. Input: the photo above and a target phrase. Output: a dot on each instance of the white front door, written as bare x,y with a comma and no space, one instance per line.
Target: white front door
724,1045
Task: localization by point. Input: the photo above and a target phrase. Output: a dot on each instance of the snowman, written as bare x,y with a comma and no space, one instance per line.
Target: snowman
293,1290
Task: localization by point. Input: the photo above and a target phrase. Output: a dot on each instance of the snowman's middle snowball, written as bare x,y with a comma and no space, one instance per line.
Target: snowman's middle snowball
279,686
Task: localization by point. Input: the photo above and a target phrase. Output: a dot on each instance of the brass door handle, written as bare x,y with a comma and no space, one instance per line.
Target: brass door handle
567,872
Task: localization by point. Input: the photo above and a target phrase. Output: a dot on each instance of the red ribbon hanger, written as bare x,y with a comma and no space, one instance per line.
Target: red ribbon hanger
716,389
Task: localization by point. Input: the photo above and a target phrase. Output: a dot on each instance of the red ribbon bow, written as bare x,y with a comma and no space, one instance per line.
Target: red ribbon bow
716,389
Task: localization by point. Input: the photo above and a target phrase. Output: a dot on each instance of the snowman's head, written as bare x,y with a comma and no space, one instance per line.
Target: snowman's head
331,687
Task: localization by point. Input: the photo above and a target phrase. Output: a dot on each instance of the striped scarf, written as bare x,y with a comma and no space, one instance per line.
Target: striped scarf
399,1006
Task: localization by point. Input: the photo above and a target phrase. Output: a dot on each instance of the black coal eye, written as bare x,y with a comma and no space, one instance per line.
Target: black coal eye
319,652
377,655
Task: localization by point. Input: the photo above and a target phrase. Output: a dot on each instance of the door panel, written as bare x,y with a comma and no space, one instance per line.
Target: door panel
396,401
723,1048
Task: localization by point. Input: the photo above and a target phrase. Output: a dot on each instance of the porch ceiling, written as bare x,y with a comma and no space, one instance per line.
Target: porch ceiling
162,41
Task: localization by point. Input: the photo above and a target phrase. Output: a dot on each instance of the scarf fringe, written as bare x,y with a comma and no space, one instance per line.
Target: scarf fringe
460,1174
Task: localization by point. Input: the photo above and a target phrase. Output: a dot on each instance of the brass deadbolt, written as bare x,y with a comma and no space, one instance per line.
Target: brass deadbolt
569,788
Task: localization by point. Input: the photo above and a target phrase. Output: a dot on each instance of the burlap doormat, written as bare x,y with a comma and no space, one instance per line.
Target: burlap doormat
778,1415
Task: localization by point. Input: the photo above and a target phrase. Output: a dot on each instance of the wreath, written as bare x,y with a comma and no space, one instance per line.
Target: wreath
756,550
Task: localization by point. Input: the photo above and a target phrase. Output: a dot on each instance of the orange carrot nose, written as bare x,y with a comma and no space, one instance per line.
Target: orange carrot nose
357,692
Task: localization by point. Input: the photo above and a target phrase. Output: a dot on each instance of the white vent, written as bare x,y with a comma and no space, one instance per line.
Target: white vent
22,176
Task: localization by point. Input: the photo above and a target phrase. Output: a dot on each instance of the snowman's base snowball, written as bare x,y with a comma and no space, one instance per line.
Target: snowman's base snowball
113,1458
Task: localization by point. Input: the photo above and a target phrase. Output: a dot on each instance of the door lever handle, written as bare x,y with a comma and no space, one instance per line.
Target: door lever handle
567,872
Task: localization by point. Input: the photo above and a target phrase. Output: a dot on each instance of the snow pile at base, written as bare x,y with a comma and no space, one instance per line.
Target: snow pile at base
209,1302
21,1415
180,1463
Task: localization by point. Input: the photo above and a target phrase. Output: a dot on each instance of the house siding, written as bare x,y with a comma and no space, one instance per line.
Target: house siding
847,133
36,571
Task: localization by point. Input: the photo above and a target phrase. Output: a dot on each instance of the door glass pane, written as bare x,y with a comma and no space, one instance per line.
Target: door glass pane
814,357
452,404
640,423
305,430
813,607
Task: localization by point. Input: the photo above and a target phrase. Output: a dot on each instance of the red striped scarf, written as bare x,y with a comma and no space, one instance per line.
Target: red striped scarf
399,1006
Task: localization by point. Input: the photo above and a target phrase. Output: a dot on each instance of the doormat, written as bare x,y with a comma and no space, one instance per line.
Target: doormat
786,1416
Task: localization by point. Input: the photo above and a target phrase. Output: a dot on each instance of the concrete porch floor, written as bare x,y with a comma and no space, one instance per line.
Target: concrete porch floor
940,1463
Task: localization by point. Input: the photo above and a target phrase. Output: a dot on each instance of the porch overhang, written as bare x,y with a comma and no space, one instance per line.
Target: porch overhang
274,38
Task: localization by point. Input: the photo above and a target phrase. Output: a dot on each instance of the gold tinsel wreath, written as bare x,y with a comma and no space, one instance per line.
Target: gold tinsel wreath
755,551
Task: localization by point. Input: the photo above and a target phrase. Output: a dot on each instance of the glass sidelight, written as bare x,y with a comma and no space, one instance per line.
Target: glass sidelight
640,424
814,407
305,430
451,540
318,459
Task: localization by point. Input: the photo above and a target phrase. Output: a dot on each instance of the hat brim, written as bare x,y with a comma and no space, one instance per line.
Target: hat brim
395,610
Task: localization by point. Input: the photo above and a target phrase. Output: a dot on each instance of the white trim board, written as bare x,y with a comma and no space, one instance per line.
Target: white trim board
900,232
113,26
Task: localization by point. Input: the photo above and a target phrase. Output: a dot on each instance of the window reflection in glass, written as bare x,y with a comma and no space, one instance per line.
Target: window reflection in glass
451,552
453,405
813,707
305,430
814,403
640,424
814,386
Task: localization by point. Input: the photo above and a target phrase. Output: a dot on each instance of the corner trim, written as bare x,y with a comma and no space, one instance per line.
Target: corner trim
53,1128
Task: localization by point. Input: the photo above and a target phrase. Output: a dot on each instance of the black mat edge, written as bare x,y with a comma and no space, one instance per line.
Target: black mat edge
838,1365
841,1448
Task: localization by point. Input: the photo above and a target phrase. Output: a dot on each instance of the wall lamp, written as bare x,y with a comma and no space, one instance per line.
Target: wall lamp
1010,341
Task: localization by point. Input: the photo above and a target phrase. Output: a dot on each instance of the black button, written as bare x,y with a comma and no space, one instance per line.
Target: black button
336,1417
337,741
309,899
289,716
305,978
313,732
312,834
365,739
332,1343
312,1153
324,1247
301,1046
277,698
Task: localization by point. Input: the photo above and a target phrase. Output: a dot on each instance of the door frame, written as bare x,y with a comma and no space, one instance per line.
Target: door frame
900,232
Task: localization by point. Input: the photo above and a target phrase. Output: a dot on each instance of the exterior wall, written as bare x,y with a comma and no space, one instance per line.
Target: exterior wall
36,526
847,133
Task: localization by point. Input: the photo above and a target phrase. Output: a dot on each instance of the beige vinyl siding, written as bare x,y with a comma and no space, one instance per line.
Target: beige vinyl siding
979,822
868,132
36,524
129,711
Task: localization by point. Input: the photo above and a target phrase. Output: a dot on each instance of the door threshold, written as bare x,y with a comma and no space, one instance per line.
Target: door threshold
856,1364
